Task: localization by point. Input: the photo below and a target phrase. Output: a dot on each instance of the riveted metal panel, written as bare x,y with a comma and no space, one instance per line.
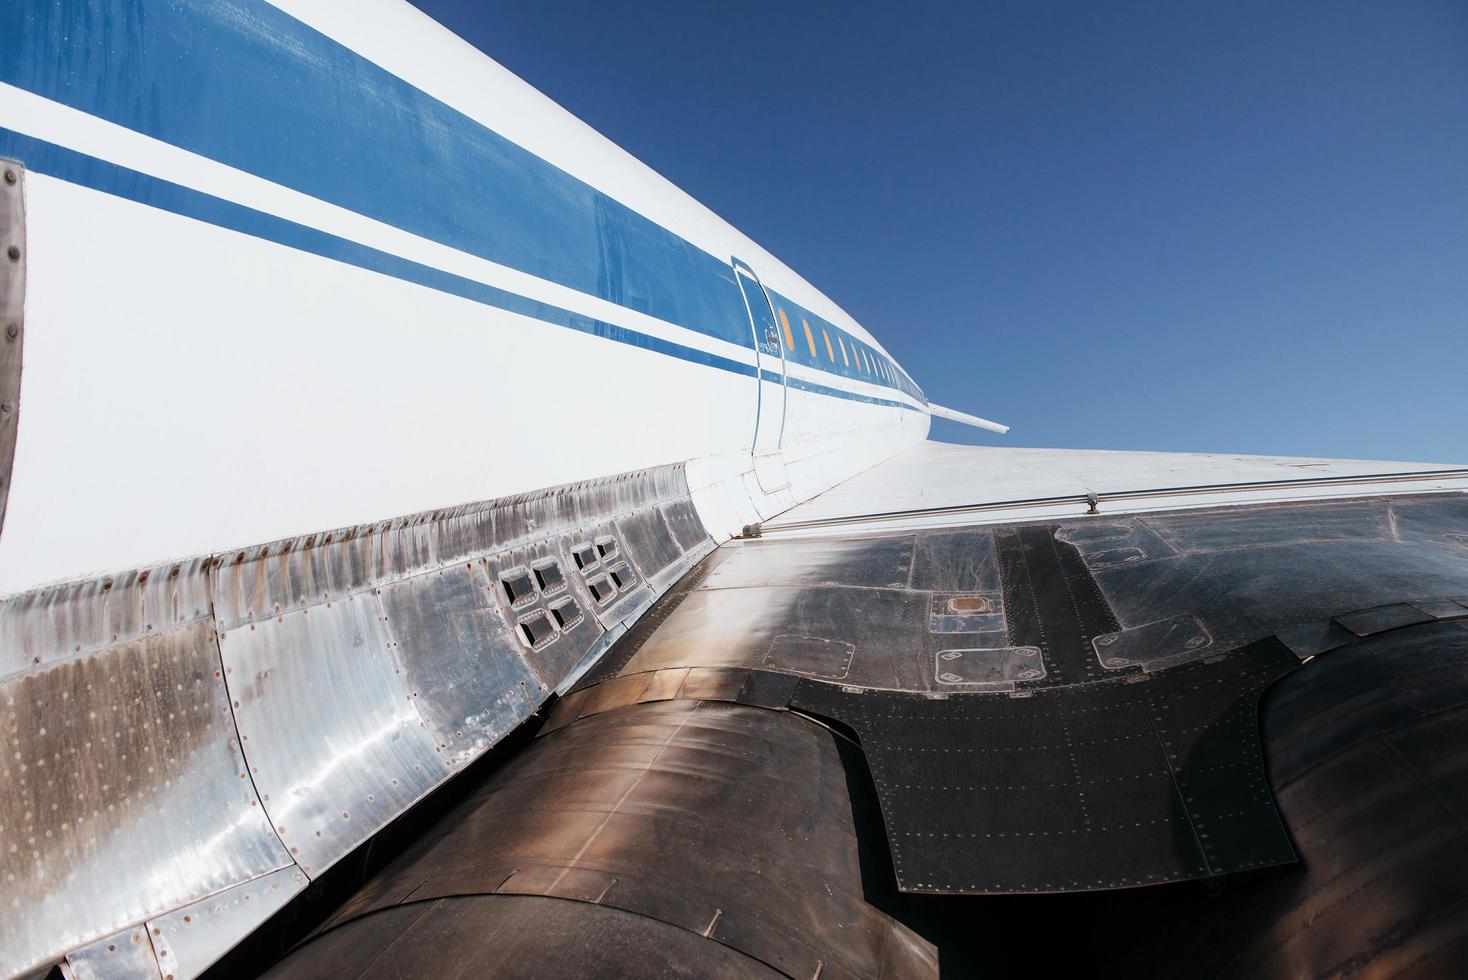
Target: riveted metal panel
608,572
683,521
647,536
125,793
127,955
464,667
188,940
1155,646
55,623
329,724
566,640
12,310
358,668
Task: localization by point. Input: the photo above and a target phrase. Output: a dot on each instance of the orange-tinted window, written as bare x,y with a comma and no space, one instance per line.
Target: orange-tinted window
789,338
830,354
809,339
844,359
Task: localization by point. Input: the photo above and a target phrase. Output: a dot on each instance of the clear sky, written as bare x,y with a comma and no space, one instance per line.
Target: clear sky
1234,227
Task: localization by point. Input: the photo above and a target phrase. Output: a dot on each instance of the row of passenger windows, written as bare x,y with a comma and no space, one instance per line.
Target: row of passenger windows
847,352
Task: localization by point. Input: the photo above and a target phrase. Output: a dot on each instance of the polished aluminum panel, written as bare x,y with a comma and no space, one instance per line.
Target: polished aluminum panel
603,567
63,621
647,536
551,625
682,519
330,725
13,258
187,941
352,671
126,955
125,793
460,660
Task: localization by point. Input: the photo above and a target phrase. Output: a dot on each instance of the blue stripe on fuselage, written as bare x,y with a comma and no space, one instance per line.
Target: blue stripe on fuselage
243,83
78,168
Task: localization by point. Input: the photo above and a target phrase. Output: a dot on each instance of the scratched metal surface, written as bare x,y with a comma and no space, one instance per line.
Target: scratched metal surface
125,792
265,710
187,940
334,739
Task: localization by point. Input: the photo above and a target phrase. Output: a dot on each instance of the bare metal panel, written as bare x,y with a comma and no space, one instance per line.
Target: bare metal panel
353,671
649,539
813,655
125,793
682,519
732,825
460,661
46,625
990,669
188,940
12,310
1155,646
549,614
127,955
329,724
970,612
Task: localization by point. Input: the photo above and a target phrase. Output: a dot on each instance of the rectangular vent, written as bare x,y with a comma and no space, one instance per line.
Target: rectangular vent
606,547
549,577
622,576
566,613
584,555
601,590
537,629
518,585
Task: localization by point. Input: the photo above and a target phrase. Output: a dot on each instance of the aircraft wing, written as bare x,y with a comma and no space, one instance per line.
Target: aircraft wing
431,543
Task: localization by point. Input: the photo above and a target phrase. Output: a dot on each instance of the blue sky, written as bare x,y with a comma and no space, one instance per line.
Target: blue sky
1235,227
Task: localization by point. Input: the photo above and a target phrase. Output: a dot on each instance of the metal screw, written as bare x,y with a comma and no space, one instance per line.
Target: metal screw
10,177
14,252
12,331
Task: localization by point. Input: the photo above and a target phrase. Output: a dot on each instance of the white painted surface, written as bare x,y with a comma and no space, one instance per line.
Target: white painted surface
938,411
214,390
189,389
933,476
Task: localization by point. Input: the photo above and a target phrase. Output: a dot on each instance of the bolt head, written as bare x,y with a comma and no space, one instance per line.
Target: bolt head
14,252
10,177
12,331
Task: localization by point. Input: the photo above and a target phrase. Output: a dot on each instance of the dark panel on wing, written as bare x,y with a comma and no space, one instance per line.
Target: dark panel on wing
1079,787
1367,753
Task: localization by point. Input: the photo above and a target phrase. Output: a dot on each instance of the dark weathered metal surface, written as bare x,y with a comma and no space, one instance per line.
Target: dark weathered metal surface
1368,755
731,823
1049,707
1083,786
13,258
473,936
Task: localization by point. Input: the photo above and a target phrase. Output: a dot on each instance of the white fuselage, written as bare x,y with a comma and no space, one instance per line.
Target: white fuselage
317,264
